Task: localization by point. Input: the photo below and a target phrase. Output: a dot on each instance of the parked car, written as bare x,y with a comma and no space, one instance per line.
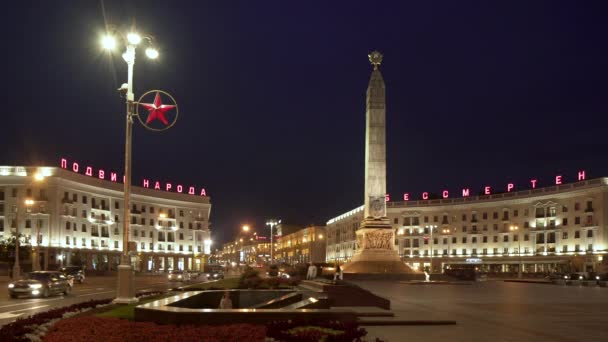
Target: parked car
40,284
178,276
76,272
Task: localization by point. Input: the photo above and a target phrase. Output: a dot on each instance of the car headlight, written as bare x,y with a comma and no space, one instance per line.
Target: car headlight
35,286
10,286
597,277
580,277
565,277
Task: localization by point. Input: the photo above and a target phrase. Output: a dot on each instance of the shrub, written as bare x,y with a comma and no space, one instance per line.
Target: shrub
93,329
273,282
302,331
250,279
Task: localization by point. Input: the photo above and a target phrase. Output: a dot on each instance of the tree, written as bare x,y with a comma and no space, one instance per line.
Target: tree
7,248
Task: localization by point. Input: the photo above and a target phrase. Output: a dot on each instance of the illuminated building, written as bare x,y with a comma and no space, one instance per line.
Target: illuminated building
77,217
302,246
563,227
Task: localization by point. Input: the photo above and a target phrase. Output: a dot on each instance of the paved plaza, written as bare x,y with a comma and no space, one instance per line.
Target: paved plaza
495,311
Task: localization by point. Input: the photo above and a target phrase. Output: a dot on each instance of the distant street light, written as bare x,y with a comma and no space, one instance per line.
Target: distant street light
245,228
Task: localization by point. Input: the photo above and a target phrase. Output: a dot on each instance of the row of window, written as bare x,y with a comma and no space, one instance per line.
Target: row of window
505,251
540,213
540,238
104,244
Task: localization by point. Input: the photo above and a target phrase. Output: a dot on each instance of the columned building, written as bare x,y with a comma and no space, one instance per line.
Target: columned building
302,246
560,228
73,218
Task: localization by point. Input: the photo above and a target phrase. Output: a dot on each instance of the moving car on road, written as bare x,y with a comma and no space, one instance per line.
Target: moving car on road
76,272
178,276
40,284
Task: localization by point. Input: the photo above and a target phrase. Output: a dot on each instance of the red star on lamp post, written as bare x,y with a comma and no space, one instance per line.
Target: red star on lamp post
157,110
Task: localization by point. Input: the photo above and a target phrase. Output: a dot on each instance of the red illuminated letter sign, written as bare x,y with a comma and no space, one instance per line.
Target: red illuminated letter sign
465,192
146,183
581,175
510,187
88,171
102,174
180,189
191,191
558,180
168,187
75,167
387,197
486,190
113,176
425,195
533,181
406,196
445,194
64,163
157,186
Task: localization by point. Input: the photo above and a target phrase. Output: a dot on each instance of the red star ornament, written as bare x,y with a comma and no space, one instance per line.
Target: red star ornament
157,110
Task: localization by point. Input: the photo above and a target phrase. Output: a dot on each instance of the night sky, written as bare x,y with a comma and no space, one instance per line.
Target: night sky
272,96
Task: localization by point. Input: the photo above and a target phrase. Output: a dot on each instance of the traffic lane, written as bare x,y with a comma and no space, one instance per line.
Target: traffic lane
93,288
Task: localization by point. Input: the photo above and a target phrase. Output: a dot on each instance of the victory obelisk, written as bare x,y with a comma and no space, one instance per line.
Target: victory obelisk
375,238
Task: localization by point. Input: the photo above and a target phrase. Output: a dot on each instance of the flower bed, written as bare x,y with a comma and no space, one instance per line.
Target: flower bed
327,331
93,329
34,326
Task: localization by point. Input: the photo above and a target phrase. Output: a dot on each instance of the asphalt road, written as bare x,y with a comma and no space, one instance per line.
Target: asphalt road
93,288
495,311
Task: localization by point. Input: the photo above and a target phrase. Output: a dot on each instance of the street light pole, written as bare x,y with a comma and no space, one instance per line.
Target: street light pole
272,223
126,288
16,267
519,269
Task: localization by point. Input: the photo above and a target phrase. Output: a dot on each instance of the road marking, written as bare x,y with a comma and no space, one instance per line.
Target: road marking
96,293
32,302
7,315
32,308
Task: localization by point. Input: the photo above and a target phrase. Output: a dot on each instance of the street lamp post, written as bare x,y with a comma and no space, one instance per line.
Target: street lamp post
272,224
38,177
126,287
519,270
431,227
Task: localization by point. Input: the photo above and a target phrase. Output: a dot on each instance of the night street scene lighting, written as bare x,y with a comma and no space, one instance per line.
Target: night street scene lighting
387,172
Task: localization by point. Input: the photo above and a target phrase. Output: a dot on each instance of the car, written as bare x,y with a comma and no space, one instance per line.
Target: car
76,272
576,276
40,284
178,276
215,275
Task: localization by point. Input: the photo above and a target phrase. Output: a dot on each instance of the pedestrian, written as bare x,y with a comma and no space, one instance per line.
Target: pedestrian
314,272
310,271
226,302
338,273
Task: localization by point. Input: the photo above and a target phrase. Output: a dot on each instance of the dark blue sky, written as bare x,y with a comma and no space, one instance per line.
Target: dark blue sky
272,96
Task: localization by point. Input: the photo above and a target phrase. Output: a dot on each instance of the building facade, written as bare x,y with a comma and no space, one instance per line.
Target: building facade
302,246
246,251
560,228
74,218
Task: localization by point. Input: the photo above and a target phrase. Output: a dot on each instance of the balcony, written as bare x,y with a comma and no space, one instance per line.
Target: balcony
66,201
100,208
589,210
589,223
135,212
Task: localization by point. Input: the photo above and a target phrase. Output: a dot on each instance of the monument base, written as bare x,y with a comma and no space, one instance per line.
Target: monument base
376,261
376,250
